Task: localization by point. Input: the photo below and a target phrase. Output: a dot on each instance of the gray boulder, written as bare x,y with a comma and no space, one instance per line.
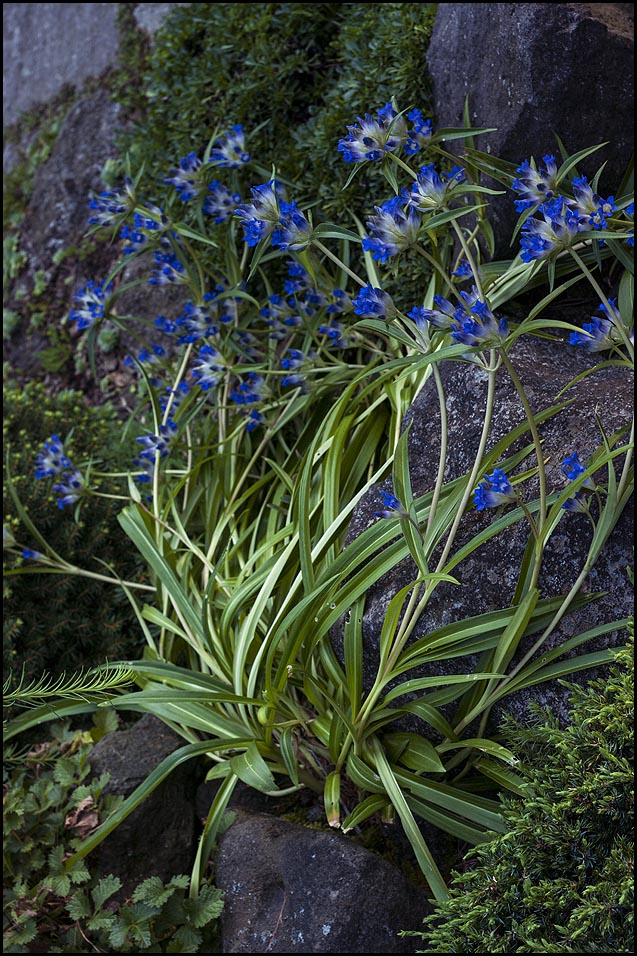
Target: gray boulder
533,70
159,837
294,889
489,575
57,216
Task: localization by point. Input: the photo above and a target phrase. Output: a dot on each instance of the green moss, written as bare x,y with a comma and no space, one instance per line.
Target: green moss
561,878
61,622
293,74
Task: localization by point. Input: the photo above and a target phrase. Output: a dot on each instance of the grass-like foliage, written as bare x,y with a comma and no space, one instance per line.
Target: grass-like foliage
51,803
560,879
273,404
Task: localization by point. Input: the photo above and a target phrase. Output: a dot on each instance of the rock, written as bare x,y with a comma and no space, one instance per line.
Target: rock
489,575
57,215
159,837
47,46
150,16
290,888
533,70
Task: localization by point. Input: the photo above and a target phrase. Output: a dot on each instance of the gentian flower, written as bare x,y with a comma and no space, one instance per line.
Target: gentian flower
373,303
572,467
600,334
197,321
210,368
433,190
393,229
157,444
443,317
260,217
552,229
91,302
249,390
335,333
51,460
373,137
591,208
168,269
393,507
299,279
342,302
493,491
69,490
30,555
577,503
112,204
141,232
535,185
220,203
184,178
419,135
479,328
229,150
293,230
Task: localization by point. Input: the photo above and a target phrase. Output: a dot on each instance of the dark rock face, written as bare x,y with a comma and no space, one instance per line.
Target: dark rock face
57,216
292,889
488,577
532,70
159,837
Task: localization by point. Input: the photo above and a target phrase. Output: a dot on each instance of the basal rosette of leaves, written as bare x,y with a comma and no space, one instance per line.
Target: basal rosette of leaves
273,405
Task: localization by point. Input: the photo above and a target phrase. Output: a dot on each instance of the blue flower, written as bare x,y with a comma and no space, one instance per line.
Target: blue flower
210,367
30,555
342,302
535,185
249,390
335,332
577,503
168,269
572,467
254,419
372,137
292,380
229,149
600,334
419,135
552,229
70,489
197,321
260,217
293,230
142,231
432,190
299,280
591,208
91,302
51,460
221,203
463,270
393,507
479,327
443,317
373,303
493,491
393,229
112,204
157,445
185,179
294,358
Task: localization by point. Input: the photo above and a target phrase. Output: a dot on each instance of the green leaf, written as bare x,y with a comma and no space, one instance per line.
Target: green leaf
253,770
414,751
79,907
104,889
363,811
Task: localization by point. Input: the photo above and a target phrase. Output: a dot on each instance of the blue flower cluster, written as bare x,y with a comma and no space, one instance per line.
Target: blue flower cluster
493,491
52,461
558,218
90,304
371,138
471,323
602,332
